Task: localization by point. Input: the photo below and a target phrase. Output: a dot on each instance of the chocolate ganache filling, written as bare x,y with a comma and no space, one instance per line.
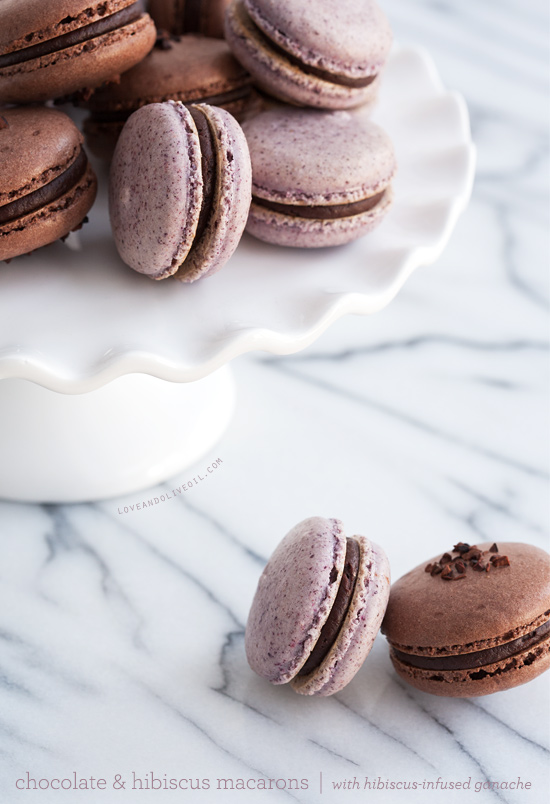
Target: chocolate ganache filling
320,212
470,661
121,115
209,169
325,75
83,34
340,607
46,194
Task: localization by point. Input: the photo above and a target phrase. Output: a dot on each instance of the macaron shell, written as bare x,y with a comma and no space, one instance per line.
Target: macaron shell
232,198
429,616
55,141
359,629
27,23
155,191
287,230
191,70
278,76
317,157
47,224
350,37
87,64
294,597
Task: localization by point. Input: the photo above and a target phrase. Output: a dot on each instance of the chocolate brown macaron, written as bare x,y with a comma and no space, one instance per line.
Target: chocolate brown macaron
51,49
46,183
473,621
190,16
190,69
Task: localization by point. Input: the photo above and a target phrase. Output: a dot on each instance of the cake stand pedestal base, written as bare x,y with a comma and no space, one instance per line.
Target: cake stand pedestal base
131,434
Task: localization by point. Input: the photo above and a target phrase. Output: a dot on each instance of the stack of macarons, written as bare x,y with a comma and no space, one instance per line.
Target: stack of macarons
49,50
311,169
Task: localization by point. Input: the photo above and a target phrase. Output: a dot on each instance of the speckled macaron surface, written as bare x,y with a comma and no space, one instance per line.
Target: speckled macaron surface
46,183
179,190
50,49
295,602
191,69
321,53
319,178
472,621
190,16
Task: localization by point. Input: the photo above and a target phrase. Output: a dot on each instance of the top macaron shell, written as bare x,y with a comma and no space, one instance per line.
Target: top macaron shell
156,189
359,630
286,65
25,24
429,616
346,37
309,158
294,597
192,69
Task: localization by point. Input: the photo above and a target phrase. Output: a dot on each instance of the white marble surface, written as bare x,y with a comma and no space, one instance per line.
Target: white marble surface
121,634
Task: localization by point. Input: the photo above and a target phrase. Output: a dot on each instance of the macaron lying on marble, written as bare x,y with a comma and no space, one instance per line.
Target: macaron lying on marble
472,621
179,191
190,16
51,49
191,69
318,607
321,53
46,183
319,178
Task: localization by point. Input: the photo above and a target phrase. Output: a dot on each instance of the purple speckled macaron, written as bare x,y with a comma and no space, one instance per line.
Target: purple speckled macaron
318,178
180,188
318,607
322,53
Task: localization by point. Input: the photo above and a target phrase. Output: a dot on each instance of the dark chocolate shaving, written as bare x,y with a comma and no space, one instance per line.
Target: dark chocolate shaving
454,569
3,123
165,39
106,25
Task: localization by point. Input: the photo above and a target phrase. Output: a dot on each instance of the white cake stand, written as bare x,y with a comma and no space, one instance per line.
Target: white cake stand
110,383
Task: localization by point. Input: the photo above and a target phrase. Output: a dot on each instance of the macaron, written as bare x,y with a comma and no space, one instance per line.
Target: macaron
322,53
191,69
319,178
318,607
190,16
179,190
473,621
46,183
50,49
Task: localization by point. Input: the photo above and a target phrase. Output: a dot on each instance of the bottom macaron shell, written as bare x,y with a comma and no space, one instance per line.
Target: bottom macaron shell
231,203
495,677
279,77
359,630
50,222
287,230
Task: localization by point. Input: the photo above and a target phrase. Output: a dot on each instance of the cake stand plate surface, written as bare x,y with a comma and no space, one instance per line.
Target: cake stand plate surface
74,318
